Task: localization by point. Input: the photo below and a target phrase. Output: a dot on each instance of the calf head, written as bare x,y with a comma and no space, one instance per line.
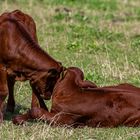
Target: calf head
44,82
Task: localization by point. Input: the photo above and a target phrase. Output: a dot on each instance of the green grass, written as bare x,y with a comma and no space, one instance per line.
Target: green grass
102,37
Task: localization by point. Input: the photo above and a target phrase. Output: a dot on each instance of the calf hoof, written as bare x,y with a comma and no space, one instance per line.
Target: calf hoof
19,120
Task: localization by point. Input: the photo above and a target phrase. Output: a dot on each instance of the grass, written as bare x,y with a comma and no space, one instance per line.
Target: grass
102,37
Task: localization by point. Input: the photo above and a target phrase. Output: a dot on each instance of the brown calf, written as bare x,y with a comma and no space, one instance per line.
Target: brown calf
80,103
21,58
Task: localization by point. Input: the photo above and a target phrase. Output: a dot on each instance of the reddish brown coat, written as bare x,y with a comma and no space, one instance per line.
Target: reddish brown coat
76,102
23,59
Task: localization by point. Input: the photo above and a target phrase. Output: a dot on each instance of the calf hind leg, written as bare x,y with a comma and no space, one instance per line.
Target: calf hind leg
3,89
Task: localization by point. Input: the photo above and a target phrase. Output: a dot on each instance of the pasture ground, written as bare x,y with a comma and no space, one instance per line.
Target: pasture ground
102,37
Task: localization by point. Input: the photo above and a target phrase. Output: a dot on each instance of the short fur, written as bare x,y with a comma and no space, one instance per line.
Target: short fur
21,58
78,103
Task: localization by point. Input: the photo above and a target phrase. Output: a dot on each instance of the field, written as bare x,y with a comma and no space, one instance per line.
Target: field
102,37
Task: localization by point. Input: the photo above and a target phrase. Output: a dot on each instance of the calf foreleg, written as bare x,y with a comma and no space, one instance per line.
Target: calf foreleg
20,119
57,119
37,101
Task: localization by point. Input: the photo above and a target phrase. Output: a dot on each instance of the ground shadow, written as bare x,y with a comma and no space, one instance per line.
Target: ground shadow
8,115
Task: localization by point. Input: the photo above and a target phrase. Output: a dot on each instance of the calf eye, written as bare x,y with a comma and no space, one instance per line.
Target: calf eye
53,72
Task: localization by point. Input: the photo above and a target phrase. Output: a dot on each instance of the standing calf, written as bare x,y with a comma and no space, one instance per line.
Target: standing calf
21,58
81,103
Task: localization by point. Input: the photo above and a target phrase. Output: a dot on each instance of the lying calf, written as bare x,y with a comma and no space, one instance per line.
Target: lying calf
80,103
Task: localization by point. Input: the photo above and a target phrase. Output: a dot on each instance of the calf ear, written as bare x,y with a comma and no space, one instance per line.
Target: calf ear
87,84
62,74
79,80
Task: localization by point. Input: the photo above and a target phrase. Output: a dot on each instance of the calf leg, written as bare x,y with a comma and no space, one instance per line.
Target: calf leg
11,100
3,89
57,119
37,101
133,120
20,119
